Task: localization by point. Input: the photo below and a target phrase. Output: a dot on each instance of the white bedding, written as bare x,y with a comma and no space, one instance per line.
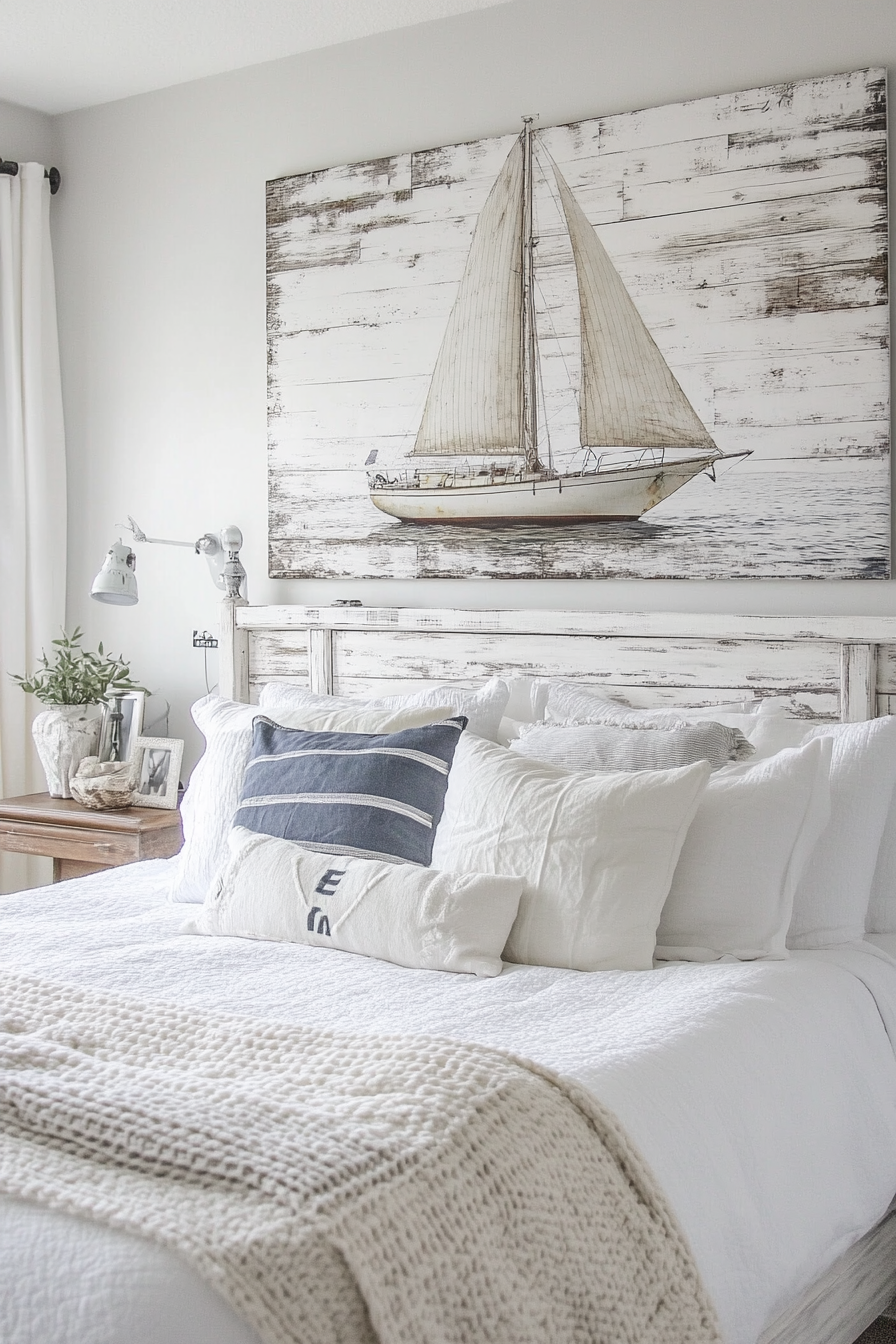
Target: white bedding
763,1095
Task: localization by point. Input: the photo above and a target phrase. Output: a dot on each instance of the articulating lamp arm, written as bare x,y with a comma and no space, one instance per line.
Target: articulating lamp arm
221,550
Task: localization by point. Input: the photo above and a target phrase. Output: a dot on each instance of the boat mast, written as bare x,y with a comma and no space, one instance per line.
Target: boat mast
529,424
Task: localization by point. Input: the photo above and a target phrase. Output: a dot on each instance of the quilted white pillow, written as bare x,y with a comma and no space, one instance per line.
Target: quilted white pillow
832,900
754,832
596,852
483,707
399,912
213,793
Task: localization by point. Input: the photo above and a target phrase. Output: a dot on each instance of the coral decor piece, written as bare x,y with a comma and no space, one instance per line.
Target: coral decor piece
103,785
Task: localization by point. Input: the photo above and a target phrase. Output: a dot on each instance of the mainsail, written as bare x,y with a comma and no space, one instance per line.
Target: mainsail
475,398
629,397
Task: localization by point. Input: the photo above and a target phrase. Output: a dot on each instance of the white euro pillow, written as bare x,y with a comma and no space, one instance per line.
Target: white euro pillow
832,901
751,839
483,706
418,917
596,852
213,793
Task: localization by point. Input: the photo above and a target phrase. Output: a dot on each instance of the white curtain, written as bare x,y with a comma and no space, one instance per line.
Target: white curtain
32,481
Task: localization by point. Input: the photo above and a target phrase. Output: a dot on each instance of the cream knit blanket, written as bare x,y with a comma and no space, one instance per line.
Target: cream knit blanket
340,1189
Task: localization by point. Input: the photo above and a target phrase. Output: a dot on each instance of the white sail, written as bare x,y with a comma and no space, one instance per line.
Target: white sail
630,398
475,398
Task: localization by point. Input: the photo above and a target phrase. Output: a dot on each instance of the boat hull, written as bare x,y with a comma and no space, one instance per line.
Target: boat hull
601,496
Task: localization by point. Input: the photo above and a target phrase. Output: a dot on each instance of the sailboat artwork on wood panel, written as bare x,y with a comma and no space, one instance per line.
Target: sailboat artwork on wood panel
641,439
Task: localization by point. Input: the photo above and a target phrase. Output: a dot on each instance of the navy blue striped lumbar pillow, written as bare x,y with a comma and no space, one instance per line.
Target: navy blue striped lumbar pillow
375,795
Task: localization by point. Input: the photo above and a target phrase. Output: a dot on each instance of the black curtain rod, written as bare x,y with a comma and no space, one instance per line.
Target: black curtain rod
11,169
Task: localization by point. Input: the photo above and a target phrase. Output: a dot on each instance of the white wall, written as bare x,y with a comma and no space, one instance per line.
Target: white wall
26,136
160,259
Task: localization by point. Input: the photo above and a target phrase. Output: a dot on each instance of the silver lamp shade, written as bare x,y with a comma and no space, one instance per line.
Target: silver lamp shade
116,582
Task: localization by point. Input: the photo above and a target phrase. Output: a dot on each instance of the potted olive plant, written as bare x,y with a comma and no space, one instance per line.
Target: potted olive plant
72,684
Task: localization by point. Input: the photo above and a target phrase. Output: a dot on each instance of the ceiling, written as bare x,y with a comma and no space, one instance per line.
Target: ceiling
58,55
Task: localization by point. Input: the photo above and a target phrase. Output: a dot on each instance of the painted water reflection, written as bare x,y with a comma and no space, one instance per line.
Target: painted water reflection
828,523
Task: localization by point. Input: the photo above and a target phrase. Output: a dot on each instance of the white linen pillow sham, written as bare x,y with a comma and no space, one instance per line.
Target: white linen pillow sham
482,706
528,701
832,901
596,852
753,834
213,793
620,745
399,912
561,701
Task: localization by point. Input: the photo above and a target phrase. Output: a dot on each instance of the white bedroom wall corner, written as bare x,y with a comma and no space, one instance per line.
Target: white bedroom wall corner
26,135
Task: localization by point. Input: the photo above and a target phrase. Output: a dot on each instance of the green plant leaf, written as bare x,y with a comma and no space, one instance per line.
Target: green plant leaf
77,676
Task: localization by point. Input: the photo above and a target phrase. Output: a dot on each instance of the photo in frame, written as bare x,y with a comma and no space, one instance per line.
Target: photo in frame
118,736
651,344
156,771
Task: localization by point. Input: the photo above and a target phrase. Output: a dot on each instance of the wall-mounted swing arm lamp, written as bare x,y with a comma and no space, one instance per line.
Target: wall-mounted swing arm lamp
116,582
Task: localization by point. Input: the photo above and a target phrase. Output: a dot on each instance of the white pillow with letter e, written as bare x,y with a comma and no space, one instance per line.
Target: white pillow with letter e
399,912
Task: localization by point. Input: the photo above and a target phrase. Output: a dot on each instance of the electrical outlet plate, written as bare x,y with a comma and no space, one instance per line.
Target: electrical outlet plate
203,640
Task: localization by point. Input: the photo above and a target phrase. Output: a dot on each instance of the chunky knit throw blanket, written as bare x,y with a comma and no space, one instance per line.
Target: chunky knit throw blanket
341,1189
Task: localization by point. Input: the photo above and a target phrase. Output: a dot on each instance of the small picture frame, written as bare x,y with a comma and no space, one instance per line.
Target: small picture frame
156,767
117,737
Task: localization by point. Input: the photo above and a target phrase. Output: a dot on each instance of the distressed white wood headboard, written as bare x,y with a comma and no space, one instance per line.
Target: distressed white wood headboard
829,667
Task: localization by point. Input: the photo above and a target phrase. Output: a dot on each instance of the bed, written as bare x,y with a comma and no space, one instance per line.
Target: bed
783,1174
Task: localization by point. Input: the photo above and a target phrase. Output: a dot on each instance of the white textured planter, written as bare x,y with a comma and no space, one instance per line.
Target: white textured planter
64,735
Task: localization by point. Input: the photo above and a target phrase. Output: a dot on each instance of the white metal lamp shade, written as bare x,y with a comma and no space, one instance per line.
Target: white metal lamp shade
116,582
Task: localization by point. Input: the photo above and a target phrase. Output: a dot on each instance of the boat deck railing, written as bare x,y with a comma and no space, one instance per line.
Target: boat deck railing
614,458
463,475
593,462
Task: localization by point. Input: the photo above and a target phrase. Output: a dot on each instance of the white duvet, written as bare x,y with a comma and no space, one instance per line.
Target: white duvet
763,1095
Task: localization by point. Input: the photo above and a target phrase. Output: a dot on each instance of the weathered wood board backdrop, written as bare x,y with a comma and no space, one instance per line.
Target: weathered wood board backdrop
751,232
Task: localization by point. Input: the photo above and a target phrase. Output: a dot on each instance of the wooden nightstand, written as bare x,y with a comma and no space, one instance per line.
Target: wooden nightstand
80,841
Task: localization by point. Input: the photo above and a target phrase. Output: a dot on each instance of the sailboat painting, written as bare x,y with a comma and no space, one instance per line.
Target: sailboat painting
483,397
647,345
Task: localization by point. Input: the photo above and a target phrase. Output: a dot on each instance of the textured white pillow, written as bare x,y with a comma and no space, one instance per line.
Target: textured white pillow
399,912
749,843
832,900
561,701
596,852
213,793
620,745
483,706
